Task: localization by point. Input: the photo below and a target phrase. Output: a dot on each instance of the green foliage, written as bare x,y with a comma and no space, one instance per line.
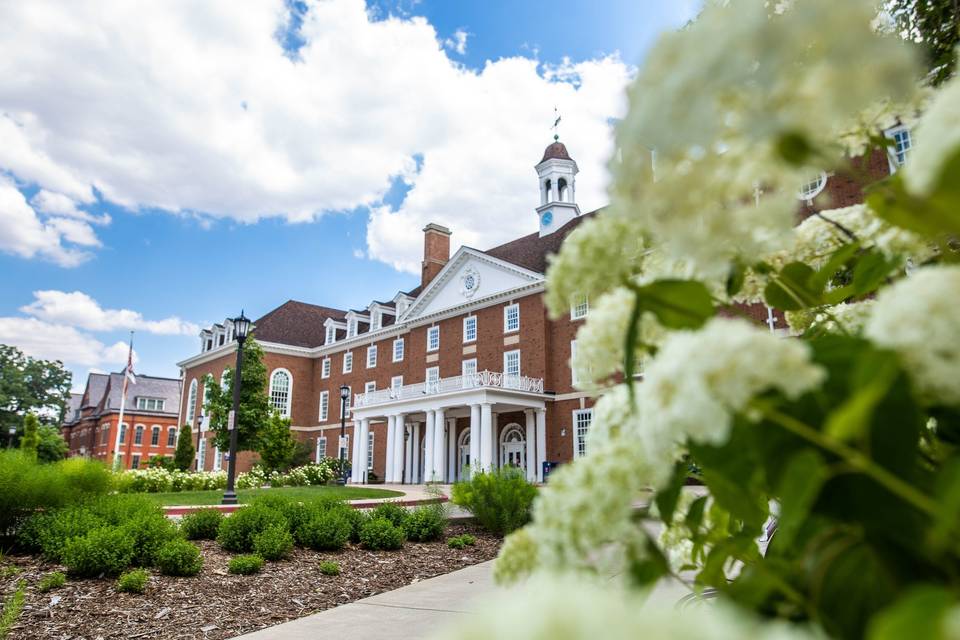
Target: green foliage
245,565
276,444
202,524
30,439
179,558
329,530
329,568
183,455
380,534
396,514
29,385
273,543
51,581
133,581
936,25
12,607
500,500
462,541
51,446
150,532
255,407
161,462
238,530
426,523
107,550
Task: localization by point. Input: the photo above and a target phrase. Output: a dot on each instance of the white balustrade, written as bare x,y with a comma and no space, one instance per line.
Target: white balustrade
479,380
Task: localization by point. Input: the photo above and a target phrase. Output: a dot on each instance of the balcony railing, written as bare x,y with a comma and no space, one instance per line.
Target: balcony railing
479,380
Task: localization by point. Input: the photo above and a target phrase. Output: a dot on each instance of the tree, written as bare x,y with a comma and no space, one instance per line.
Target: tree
183,456
276,443
936,25
254,404
31,385
50,444
30,439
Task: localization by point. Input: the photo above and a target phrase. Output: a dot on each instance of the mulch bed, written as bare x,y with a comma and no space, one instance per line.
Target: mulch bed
215,604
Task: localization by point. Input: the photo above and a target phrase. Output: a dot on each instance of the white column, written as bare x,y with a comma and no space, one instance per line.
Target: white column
408,456
494,440
364,448
388,459
486,440
428,437
541,442
531,446
439,446
452,453
415,454
355,453
474,436
398,431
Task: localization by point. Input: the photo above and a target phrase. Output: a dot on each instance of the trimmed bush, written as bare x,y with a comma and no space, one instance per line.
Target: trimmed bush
459,542
500,499
134,581
237,532
202,524
245,565
273,543
391,511
107,550
179,558
381,534
52,581
150,533
50,532
327,531
329,568
426,523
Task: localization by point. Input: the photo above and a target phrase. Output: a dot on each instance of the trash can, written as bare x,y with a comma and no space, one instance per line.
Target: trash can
548,466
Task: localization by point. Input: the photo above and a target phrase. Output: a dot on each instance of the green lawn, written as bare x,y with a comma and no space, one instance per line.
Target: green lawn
179,498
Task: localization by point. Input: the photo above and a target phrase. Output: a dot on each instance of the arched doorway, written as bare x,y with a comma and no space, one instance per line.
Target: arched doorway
463,455
513,447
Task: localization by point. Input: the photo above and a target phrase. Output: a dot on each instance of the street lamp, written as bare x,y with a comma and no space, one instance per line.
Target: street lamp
196,460
241,326
12,432
344,395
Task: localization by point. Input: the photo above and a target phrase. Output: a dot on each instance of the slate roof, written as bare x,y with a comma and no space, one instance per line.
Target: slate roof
531,251
72,412
555,151
147,386
296,323
96,385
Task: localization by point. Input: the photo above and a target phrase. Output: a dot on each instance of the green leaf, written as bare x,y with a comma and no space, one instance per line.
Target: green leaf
800,485
695,515
918,614
948,501
852,418
630,346
646,570
678,304
667,497
871,270
735,278
838,260
742,502
794,288
794,148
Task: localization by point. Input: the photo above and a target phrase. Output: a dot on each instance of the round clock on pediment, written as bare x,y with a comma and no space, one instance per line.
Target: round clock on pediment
469,282
546,218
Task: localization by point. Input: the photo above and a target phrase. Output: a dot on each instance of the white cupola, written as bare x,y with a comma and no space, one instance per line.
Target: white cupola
557,173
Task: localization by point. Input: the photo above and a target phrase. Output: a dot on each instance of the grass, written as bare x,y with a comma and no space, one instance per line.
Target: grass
190,498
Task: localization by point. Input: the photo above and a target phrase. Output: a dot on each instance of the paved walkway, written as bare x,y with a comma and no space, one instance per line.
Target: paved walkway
414,611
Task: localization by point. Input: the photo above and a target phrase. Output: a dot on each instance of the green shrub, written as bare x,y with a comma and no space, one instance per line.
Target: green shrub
461,541
12,607
381,534
202,524
50,532
107,550
150,533
52,581
500,500
327,531
426,523
179,558
391,511
237,531
245,565
355,517
329,568
273,543
134,581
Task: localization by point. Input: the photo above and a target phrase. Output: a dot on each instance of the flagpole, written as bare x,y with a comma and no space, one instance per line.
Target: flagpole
123,402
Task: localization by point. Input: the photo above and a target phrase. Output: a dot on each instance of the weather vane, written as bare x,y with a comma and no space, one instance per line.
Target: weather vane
556,123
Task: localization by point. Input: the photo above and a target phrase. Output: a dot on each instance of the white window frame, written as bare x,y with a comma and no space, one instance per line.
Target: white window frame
217,459
370,386
433,338
892,151
463,367
396,383
331,336
370,450
325,368
468,321
352,328
580,429
172,431
345,407
138,430
398,353
324,405
821,181
371,356
202,454
348,362
580,308
506,359
317,448
346,447
135,461
573,363
432,379
192,403
506,318
155,432
284,410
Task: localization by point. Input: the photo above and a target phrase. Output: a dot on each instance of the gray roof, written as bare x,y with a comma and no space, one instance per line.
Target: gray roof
72,411
96,385
148,387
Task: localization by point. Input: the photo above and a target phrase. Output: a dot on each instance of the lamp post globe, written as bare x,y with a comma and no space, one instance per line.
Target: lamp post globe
241,327
344,396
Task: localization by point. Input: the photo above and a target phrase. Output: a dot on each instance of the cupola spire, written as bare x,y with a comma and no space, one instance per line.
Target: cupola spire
556,173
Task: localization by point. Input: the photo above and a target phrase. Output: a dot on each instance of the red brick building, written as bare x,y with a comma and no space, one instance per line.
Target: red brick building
149,419
466,369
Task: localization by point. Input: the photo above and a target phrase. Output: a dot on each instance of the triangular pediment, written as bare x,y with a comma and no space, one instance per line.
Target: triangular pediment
470,276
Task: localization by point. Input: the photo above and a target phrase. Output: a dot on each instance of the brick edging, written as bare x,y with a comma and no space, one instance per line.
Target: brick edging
356,504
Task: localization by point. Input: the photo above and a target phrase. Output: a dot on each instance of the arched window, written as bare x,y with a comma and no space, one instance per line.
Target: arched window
562,188
281,389
171,436
547,186
203,396
138,434
192,402
155,436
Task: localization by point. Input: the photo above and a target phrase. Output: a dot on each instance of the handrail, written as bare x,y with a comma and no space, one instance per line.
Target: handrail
478,380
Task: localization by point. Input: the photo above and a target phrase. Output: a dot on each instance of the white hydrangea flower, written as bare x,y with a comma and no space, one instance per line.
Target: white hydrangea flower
919,318
517,558
935,140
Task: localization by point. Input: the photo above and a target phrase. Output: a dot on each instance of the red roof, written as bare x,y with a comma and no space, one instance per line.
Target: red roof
555,151
531,251
296,323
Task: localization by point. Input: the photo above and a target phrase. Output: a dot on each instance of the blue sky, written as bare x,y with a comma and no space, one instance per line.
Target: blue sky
277,206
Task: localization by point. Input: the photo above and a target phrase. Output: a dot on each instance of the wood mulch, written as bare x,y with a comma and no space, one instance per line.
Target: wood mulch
215,604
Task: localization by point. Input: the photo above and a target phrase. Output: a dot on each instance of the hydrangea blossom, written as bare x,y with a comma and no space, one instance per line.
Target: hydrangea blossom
936,139
919,318
849,317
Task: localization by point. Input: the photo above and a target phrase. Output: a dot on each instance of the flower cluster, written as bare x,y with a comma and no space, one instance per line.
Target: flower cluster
936,140
159,480
848,317
307,475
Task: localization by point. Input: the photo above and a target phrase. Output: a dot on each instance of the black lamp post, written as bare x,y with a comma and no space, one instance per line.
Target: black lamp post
344,395
241,326
196,460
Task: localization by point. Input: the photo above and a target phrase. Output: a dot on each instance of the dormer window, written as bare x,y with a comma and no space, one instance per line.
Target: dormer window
150,404
374,321
331,334
351,328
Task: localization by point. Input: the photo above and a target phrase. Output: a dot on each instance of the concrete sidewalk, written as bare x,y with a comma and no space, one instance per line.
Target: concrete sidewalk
414,611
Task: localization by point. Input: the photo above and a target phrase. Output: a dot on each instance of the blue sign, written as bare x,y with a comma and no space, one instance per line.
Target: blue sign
547,218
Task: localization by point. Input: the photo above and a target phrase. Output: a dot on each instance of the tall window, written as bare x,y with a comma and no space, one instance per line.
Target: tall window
344,451
138,434
580,308
511,318
104,433
469,367
374,320
324,404
511,363
370,452
192,402
331,336
581,424
217,459
351,328
321,452
398,350
470,328
280,385
171,436
348,362
123,433
370,387
902,143
433,338
396,382
155,436
135,461
433,379
346,402
371,356
202,454
325,368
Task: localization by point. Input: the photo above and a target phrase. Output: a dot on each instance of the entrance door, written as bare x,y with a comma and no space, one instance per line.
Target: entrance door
463,460
513,448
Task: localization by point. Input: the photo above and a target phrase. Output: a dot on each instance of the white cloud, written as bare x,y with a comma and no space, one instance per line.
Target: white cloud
58,204
60,342
77,309
193,107
458,42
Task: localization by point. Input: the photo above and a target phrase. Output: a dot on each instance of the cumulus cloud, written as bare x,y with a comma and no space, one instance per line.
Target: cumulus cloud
457,42
58,204
52,341
77,309
195,107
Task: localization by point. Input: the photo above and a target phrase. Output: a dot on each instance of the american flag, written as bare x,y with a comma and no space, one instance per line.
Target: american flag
128,375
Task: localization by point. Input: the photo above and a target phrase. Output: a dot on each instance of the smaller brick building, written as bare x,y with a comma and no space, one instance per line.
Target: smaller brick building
149,419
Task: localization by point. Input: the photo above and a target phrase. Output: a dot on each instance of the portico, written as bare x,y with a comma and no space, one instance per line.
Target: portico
438,431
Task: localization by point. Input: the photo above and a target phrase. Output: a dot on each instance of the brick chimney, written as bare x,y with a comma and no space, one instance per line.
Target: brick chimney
436,252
